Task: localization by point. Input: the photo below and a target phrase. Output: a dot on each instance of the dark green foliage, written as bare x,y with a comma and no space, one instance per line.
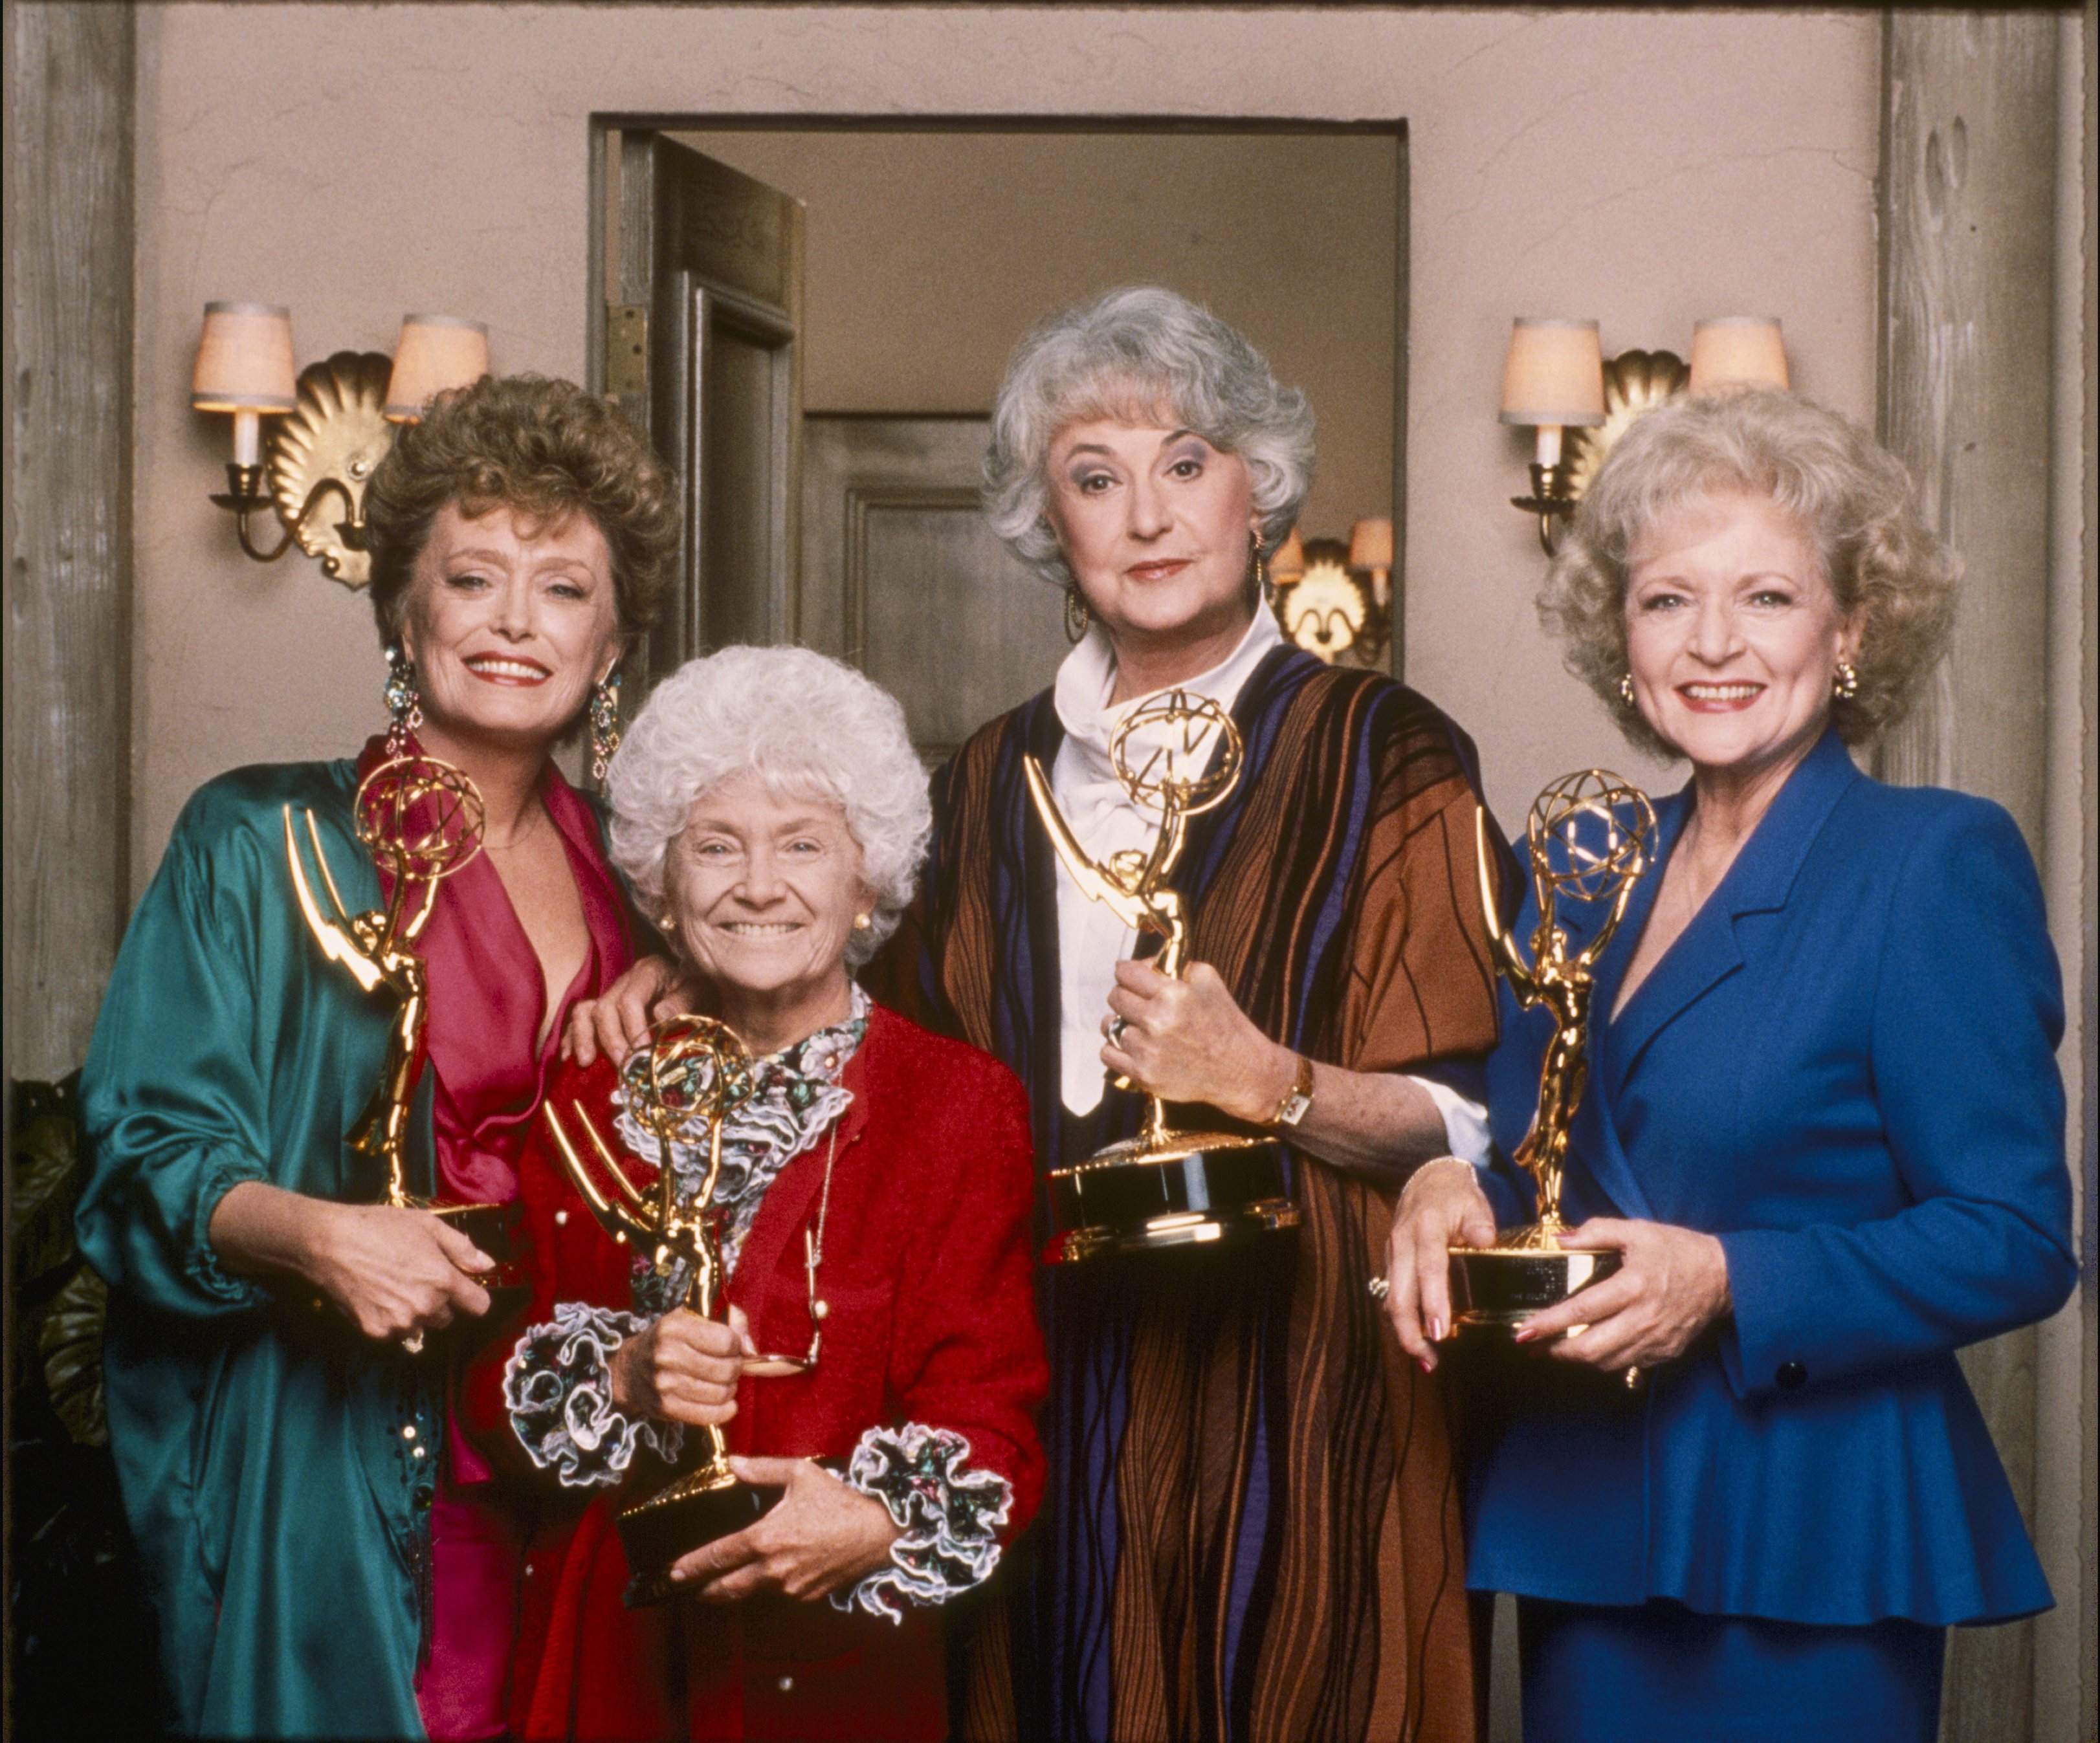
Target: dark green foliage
82,1636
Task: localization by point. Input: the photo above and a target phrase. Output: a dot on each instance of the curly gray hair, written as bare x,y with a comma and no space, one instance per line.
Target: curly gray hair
1849,493
803,723
1135,349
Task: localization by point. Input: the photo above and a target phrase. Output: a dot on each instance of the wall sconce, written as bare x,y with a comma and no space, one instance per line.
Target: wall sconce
338,417
1552,378
1335,600
1728,351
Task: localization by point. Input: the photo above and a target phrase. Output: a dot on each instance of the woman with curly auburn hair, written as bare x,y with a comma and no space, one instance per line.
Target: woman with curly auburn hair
1824,1132
329,1554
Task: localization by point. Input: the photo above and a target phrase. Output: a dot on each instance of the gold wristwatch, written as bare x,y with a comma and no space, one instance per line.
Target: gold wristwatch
1297,1098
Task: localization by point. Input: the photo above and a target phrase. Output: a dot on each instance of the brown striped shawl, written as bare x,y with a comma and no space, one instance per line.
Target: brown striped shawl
1252,1530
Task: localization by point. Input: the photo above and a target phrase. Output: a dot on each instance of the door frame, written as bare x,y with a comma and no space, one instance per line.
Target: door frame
602,291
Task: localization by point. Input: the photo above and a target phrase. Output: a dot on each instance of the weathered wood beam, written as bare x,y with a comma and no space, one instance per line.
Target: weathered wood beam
1969,167
70,98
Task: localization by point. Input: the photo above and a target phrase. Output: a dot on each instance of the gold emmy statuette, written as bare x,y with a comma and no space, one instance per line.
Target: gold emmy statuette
422,820
693,1074
1162,1188
1591,836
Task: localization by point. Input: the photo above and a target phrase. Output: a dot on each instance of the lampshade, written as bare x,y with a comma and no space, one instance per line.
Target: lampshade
436,352
1288,564
1555,373
244,361
1371,543
1737,350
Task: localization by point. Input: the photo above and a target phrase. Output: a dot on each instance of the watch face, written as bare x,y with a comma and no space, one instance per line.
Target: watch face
1293,1109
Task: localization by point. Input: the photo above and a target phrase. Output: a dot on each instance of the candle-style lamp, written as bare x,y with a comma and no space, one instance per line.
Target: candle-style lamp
1370,549
245,366
435,352
1737,350
1552,379
339,416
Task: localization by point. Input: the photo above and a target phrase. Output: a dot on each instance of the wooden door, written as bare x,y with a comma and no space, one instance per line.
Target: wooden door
901,576
705,347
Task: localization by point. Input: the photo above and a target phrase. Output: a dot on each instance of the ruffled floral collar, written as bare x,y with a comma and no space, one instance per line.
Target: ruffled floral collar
801,1094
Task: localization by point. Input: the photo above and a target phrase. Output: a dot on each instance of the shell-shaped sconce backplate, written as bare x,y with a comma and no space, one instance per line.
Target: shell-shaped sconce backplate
1635,382
325,454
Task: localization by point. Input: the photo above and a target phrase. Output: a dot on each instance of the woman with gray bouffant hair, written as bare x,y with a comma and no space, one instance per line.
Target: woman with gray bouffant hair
1824,1137
1145,458
1146,349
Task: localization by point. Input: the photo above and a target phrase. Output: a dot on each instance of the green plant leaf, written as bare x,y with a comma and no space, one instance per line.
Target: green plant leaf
71,1342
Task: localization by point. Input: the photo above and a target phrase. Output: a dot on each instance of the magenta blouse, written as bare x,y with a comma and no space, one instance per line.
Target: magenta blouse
488,1003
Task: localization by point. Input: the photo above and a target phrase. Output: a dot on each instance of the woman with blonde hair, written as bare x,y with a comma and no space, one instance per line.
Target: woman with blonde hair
1824,1132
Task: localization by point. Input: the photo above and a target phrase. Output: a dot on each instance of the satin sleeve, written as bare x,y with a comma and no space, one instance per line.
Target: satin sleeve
174,1109
1968,1012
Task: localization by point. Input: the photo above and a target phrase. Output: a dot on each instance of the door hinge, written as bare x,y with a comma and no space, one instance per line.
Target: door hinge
627,348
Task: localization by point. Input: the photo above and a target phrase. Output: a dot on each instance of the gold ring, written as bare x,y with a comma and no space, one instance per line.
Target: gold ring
1116,1027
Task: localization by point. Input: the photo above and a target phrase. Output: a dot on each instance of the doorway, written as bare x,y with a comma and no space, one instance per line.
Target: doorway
813,320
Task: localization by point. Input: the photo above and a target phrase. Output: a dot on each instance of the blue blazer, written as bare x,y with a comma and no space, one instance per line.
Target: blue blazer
1844,1068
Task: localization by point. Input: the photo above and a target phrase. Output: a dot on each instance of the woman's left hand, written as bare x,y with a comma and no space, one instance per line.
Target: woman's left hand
1186,1040
1671,1284
820,1536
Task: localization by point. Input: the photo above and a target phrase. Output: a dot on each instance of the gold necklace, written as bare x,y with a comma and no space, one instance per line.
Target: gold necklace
812,1256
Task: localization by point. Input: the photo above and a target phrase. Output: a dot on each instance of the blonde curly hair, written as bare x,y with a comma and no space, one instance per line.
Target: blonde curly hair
1853,497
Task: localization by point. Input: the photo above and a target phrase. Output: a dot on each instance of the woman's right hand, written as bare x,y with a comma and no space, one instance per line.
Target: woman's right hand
1442,1206
682,1369
617,1022
395,1272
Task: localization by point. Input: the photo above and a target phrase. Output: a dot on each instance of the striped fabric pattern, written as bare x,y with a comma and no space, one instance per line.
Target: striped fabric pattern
1251,1529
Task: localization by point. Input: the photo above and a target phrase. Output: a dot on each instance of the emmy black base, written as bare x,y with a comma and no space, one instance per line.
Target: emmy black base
1215,1189
656,1532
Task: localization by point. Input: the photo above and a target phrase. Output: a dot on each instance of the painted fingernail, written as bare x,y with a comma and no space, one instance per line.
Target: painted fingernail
1435,1331
1427,1365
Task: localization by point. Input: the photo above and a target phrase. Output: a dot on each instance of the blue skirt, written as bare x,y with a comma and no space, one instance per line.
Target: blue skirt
1661,1673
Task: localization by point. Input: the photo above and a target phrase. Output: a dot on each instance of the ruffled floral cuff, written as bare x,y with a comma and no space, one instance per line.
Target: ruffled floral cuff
557,1386
949,1514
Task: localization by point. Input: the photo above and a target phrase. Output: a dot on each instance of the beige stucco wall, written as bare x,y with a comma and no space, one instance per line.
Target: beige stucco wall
354,162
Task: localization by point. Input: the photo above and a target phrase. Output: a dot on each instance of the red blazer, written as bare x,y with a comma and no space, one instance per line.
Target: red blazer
928,1272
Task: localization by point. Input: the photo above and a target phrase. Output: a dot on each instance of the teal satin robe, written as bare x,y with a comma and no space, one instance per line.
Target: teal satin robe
276,1466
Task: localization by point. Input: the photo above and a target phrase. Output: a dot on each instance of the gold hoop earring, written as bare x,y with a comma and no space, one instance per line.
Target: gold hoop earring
1845,683
1078,614
1626,689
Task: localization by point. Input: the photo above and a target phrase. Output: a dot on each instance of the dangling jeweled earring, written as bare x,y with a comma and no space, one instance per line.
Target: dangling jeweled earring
604,724
1078,614
1626,689
1261,584
1845,682
404,702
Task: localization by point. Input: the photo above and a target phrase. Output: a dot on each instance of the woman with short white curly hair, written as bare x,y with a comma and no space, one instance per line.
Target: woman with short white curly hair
873,1196
843,740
